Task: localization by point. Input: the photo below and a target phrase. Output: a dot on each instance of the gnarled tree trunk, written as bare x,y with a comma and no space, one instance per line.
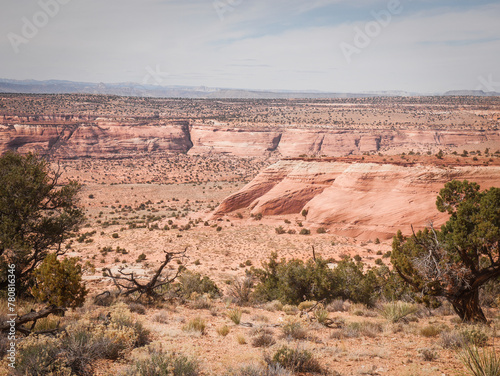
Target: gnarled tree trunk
467,307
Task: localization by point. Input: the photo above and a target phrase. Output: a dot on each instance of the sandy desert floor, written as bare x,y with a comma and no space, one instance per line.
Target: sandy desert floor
149,218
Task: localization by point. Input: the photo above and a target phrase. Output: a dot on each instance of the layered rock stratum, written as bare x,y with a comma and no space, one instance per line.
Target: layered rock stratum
75,137
362,200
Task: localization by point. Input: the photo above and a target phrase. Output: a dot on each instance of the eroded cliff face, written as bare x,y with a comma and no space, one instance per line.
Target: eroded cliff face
363,200
77,136
99,138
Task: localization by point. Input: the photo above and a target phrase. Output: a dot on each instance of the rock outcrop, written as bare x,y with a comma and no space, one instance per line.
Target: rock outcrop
364,200
71,136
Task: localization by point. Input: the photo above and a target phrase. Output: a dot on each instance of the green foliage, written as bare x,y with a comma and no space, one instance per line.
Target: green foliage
280,230
59,282
35,216
448,262
295,281
190,282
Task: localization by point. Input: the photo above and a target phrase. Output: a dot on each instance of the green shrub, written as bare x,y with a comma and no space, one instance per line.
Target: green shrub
321,230
305,231
279,230
59,282
189,282
294,281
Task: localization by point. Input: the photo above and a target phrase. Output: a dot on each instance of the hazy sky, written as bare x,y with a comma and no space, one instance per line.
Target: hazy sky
329,45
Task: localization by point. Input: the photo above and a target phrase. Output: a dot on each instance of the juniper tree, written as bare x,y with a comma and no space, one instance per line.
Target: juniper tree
455,261
36,215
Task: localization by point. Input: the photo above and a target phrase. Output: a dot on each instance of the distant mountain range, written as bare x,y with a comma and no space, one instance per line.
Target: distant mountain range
139,90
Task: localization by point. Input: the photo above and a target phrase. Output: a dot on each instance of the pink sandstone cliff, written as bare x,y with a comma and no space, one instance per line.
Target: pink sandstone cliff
77,136
364,200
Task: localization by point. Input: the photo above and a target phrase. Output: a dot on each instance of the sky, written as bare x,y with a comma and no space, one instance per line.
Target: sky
419,46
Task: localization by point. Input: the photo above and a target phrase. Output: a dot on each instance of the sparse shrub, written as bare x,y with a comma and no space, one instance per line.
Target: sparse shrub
321,315
296,360
234,315
141,257
115,235
336,305
241,290
195,325
452,339
398,311
321,230
137,308
428,354
263,340
294,329
163,364
161,317
275,305
241,339
279,230
430,331
306,305
305,231
475,335
290,309
38,355
223,330
258,370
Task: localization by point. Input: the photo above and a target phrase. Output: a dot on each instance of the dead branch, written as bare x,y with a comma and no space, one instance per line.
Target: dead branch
32,317
128,283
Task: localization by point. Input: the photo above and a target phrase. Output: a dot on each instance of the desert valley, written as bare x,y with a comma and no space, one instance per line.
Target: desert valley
230,181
